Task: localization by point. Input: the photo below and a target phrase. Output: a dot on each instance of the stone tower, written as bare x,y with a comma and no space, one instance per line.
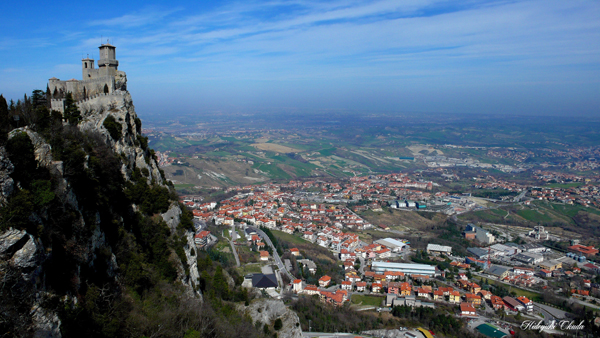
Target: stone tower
104,80
87,68
108,59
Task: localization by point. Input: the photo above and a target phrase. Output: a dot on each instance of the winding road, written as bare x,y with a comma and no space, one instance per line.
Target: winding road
278,261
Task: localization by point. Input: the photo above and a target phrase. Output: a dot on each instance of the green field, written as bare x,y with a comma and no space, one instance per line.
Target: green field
564,185
289,238
534,216
366,300
246,269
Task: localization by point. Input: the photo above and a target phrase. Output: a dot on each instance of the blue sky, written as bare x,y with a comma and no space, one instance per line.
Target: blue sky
500,57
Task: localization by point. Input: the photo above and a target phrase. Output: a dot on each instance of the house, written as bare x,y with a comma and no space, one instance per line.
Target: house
336,298
467,309
309,236
463,284
405,289
473,299
446,290
394,287
438,295
393,275
454,297
297,285
352,276
360,286
264,255
376,287
496,302
421,292
311,290
474,288
485,294
295,251
324,281
527,304
545,273
202,238
347,285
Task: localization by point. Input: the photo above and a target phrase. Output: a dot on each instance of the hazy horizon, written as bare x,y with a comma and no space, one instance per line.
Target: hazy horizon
478,57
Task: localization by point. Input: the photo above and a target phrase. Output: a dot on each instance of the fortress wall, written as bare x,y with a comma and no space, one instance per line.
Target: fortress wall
92,87
100,101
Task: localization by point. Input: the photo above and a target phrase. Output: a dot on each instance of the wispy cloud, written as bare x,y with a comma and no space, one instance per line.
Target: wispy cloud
143,18
387,43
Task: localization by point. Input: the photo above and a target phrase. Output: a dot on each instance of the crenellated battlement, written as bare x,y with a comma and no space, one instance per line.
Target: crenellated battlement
106,79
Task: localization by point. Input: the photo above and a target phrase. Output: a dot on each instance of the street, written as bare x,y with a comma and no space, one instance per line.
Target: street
276,257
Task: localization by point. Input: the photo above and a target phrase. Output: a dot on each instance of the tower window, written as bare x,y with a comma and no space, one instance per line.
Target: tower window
85,64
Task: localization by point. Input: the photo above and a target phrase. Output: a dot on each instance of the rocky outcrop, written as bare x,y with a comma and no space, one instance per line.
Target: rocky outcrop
46,324
6,182
119,105
172,217
267,311
22,252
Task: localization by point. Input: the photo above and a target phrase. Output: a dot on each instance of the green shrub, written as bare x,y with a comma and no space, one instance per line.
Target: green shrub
113,127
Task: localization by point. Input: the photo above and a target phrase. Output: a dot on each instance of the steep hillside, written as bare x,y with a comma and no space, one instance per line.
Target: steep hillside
92,239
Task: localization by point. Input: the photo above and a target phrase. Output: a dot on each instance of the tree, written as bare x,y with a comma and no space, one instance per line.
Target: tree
278,324
72,113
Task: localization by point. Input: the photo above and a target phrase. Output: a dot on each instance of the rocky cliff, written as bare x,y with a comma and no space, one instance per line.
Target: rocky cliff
267,311
87,219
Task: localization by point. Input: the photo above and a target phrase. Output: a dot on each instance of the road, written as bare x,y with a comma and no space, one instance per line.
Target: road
232,242
278,261
326,335
521,195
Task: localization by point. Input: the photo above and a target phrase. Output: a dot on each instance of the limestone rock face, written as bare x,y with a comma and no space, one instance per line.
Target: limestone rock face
9,239
172,217
266,311
46,324
119,105
6,182
27,256
23,252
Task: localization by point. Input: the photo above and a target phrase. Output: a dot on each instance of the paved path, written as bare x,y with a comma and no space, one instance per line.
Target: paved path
278,261
231,241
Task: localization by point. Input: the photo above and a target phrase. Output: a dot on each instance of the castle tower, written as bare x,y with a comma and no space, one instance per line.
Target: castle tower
108,57
87,66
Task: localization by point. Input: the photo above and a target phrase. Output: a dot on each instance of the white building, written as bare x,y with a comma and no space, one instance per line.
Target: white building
437,249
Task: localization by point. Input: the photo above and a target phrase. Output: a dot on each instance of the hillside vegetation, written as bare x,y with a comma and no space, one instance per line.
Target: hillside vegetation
85,239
